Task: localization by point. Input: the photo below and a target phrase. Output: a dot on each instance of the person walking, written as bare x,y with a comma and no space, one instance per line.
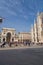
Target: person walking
3,43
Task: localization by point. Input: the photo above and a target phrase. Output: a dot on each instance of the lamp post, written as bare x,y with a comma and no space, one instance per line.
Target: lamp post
0,27
0,23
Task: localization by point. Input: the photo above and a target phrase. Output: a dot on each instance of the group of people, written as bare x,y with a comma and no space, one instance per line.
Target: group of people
10,43
27,43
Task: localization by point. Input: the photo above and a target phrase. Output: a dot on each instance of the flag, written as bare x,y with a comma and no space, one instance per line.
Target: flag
0,20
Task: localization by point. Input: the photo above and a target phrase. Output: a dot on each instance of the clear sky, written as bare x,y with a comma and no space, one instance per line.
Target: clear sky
19,14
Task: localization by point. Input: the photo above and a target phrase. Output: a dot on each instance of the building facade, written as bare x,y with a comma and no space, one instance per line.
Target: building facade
9,34
37,29
25,36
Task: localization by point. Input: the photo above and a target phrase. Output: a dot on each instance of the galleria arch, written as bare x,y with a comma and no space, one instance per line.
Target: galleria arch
8,34
8,37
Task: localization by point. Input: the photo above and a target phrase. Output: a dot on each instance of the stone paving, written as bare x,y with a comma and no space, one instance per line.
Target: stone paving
27,56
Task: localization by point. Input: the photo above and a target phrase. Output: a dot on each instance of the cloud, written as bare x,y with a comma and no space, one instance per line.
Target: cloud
0,7
25,17
8,7
23,1
16,8
12,13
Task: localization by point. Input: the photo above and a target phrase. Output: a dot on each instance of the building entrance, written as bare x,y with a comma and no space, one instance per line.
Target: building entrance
8,37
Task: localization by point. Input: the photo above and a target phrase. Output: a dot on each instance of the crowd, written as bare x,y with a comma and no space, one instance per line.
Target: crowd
25,43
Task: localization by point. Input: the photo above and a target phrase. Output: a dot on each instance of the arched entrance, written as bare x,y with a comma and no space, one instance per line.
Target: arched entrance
8,37
3,39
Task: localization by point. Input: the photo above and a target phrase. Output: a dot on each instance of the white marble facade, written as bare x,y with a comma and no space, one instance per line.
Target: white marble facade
38,29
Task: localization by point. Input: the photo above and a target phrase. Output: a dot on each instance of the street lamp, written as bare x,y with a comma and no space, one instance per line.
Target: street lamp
0,27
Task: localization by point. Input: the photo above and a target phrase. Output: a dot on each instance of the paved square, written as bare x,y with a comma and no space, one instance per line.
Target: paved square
31,56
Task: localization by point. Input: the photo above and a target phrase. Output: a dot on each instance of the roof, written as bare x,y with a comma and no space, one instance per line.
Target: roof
8,29
24,33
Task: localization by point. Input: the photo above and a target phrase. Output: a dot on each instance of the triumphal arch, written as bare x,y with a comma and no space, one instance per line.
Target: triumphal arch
8,34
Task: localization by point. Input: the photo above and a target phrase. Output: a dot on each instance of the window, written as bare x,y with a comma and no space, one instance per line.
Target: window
42,20
4,32
12,39
0,40
13,33
3,39
42,28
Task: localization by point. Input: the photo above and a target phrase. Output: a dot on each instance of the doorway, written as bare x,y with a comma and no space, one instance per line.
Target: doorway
8,37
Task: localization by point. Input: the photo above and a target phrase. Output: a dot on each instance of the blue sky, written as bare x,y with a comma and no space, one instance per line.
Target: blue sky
19,14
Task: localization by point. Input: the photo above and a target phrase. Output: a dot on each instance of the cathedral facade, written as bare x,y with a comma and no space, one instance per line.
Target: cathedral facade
37,29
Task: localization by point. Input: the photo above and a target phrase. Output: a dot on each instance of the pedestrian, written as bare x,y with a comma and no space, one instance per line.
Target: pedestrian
3,43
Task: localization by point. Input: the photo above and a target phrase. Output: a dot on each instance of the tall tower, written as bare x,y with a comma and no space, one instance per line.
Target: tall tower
39,27
35,32
32,34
